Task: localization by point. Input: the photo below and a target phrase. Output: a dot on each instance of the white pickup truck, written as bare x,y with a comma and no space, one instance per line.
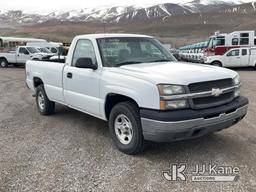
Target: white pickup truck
136,85
21,55
236,57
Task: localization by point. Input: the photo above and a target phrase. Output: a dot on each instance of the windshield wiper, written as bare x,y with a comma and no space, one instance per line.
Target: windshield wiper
128,63
161,60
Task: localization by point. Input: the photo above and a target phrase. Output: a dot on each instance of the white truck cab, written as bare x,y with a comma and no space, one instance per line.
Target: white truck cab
21,56
136,85
236,57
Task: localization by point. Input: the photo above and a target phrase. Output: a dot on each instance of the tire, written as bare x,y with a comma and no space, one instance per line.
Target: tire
4,63
130,142
217,64
44,105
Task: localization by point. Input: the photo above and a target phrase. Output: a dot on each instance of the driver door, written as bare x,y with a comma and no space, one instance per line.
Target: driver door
233,58
23,55
81,85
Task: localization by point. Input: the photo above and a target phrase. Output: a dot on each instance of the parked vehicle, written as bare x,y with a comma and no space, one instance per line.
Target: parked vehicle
51,46
45,51
11,43
193,53
20,56
136,85
220,43
237,57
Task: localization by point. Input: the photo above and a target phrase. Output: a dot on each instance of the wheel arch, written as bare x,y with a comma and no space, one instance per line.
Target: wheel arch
113,99
217,61
37,81
3,58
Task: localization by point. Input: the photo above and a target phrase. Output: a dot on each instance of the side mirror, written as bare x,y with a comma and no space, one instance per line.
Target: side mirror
85,63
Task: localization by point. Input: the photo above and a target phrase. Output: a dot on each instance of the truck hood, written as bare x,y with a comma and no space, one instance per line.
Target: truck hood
175,72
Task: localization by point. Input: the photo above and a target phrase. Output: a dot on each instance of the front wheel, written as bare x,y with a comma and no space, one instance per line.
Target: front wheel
125,128
44,105
3,63
217,64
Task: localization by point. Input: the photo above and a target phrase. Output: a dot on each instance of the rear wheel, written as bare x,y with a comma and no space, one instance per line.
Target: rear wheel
3,63
44,105
125,128
217,64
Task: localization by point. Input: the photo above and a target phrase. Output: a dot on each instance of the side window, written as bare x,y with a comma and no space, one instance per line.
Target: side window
244,39
233,53
235,41
84,49
23,51
244,52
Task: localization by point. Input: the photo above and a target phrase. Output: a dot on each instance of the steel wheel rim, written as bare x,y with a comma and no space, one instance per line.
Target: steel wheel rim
3,64
41,101
123,129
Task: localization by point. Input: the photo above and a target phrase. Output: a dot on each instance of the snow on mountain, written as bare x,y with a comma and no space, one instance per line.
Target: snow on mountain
123,13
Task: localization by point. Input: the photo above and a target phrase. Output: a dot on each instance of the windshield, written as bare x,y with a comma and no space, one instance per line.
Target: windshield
132,50
44,50
32,50
219,41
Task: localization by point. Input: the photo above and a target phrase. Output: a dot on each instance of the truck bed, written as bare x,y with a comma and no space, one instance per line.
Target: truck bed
51,74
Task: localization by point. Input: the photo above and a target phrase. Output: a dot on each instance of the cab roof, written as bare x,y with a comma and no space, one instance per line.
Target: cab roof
111,35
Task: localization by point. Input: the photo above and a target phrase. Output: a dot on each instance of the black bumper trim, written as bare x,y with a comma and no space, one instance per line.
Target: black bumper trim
187,114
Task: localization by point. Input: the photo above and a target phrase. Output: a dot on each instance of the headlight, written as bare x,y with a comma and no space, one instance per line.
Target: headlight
237,93
175,104
236,80
171,89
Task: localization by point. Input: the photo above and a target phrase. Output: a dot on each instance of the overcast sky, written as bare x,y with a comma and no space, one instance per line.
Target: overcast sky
46,6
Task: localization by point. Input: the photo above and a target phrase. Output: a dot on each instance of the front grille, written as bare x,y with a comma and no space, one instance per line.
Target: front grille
208,85
211,101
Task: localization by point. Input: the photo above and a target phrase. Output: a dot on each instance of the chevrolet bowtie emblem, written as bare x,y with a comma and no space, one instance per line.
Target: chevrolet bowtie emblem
216,92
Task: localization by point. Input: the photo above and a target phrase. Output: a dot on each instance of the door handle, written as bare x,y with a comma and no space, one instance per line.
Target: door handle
69,75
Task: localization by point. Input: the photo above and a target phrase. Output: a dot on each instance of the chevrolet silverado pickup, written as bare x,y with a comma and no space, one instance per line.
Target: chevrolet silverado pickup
136,85
21,55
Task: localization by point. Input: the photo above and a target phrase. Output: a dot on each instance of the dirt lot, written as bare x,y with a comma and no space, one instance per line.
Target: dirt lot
71,151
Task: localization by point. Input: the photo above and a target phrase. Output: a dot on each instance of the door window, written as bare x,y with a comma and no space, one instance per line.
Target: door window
233,53
84,49
244,52
23,51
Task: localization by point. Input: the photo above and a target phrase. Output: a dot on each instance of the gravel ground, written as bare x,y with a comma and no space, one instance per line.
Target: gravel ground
71,151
